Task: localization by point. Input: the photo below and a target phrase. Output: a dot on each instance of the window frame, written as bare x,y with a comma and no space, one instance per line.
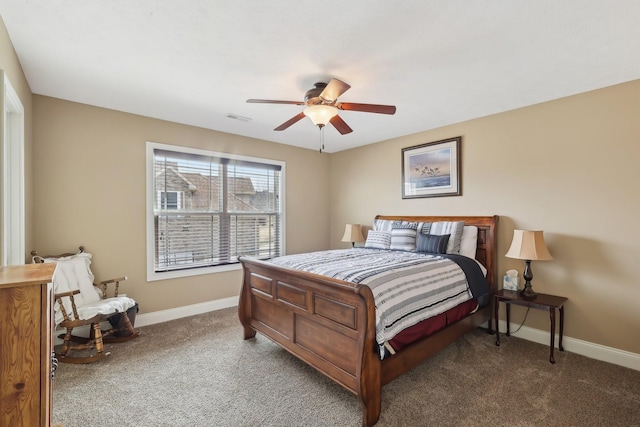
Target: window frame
12,176
151,196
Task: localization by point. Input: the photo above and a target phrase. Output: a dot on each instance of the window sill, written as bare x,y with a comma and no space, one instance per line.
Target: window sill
152,276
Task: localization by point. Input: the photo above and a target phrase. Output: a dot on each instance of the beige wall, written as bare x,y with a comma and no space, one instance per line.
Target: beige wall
89,169
569,167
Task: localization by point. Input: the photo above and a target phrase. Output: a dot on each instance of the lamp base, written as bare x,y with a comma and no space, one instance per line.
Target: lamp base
528,292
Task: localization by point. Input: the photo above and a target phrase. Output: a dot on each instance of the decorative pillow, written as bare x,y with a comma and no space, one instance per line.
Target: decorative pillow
432,243
454,228
378,240
424,227
404,224
469,241
403,236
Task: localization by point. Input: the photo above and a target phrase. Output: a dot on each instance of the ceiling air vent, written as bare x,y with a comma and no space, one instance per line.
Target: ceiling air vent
237,117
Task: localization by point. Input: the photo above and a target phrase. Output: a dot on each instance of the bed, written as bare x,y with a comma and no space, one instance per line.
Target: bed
330,324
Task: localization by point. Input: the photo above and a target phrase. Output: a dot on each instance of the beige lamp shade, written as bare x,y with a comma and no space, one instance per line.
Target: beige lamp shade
528,245
353,233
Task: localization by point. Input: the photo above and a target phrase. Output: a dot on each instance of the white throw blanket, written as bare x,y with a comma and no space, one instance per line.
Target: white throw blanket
73,273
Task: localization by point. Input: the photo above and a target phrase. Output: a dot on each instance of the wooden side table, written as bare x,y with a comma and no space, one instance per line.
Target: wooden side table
542,301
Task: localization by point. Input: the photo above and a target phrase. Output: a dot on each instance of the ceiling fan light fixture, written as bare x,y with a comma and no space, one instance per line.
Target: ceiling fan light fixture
322,106
320,115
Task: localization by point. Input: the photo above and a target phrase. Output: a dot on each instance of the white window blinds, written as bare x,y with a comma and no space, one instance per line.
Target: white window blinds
209,209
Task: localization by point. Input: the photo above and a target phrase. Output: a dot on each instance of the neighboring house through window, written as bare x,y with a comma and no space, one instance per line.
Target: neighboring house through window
169,200
206,209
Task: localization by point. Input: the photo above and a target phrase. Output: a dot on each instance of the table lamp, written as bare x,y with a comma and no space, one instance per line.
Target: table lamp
529,246
353,234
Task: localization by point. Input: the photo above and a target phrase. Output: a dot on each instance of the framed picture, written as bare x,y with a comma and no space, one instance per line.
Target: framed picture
432,169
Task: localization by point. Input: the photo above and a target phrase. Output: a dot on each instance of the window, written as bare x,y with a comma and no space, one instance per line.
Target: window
206,209
169,199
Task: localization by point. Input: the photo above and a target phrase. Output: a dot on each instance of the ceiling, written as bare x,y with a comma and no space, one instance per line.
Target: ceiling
439,61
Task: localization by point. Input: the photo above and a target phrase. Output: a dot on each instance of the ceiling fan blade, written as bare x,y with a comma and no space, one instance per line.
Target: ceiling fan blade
367,108
334,89
272,101
340,125
290,122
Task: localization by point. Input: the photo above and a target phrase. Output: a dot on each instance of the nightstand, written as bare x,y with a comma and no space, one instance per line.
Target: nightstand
541,301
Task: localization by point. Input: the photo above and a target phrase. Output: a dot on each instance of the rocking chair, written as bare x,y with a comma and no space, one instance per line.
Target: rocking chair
81,302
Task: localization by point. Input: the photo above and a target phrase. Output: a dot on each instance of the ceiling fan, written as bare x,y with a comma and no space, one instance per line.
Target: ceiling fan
322,106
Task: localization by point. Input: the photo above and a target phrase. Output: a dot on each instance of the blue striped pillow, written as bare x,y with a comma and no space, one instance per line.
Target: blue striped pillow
432,243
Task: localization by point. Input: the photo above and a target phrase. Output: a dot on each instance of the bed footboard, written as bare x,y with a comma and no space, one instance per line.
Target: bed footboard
312,316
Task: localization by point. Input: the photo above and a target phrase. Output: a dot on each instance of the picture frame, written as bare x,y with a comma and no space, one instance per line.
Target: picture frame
432,169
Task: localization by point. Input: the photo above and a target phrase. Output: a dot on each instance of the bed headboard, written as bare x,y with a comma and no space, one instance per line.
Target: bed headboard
486,251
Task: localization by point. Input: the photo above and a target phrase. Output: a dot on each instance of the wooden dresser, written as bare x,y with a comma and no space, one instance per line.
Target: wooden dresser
26,345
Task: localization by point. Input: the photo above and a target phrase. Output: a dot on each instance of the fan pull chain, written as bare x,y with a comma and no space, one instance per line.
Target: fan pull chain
321,137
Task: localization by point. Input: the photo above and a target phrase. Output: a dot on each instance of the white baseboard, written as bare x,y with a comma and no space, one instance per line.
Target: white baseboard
154,317
574,345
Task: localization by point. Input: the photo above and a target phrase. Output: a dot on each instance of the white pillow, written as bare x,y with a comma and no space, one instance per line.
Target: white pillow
378,240
469,241
403,239
382,225
403,235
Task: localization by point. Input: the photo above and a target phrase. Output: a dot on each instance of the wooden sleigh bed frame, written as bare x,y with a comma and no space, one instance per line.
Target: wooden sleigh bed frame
330,324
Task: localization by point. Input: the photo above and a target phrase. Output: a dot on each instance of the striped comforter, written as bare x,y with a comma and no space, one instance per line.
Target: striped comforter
407,287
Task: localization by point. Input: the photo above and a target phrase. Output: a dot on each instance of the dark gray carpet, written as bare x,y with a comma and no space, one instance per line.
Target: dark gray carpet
198,371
